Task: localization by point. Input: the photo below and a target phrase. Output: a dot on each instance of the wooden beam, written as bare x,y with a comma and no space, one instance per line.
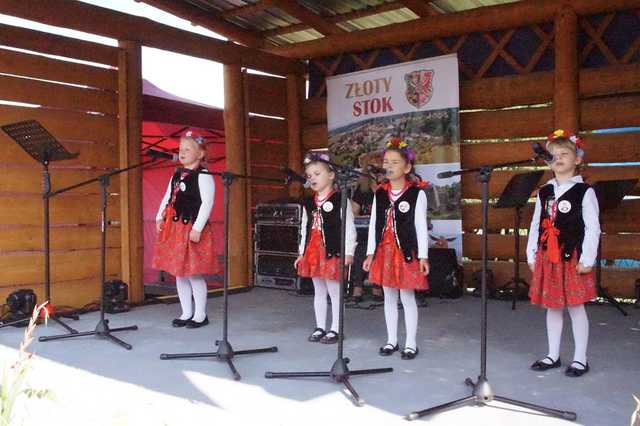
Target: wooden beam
236,162
565,94
248,10
420,7
209,20
295,87
130,125
481,19
121,26
343,17
295,9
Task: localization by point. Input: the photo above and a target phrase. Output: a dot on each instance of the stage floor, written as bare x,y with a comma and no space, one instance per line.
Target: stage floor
98,383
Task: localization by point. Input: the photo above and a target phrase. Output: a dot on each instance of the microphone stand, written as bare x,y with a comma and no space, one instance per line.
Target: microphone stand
225,352
339,372
102,329
482,394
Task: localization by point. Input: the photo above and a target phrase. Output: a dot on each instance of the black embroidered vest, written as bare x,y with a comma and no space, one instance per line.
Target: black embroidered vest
404,212
568,217
330,221
187,199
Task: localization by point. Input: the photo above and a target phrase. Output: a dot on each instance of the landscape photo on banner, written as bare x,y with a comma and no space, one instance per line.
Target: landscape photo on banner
418,102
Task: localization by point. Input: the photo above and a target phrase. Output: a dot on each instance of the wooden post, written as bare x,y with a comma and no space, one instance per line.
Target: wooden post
236,162
248,183
295,96
130,124
566,109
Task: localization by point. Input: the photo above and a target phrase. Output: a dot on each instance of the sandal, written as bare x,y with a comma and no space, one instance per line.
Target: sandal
409,353
540,365
388,349
576,372
329,338
317,334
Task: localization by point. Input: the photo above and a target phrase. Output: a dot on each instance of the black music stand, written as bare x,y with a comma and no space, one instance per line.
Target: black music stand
225,352
482,393
610,194
516,195
44,148
339,372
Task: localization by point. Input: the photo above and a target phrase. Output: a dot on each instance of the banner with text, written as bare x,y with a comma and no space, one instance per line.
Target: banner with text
419,102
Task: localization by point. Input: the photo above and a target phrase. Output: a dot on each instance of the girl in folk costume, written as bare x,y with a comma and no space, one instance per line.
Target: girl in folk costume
320,244
562,249
397,247
185,238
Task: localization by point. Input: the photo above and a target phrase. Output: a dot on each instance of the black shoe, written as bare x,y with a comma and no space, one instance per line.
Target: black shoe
576,372
330,338
195,324
388,349
540,365
180,322
409,353
317,334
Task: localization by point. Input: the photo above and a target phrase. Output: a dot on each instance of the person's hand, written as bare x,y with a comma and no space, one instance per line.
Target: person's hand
583,269
194,236
348,260
532,267
159,225
366,265
295,263
424,266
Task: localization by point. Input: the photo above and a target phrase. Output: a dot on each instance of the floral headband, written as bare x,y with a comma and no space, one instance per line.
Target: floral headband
197,138
403,147
562,134
317,156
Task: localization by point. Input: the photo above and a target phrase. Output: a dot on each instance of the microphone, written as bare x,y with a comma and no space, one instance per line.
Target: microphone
542,153
376,170
444,175
154,153
292,176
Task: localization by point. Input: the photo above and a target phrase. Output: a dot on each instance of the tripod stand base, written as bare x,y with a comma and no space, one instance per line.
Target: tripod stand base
102,331
482,395
602,292
224,353
339,373
514,286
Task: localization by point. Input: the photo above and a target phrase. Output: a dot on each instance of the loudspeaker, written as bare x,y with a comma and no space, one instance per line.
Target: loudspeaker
277,237
276,271
445,274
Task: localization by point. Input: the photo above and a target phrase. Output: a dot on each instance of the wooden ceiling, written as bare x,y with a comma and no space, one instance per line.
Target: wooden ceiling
272,23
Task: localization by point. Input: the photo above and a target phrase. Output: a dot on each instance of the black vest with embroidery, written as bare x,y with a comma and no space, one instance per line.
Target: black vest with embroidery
568,219
187,202
403,222
330,220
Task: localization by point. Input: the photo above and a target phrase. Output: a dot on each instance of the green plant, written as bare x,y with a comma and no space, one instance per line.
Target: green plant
14,377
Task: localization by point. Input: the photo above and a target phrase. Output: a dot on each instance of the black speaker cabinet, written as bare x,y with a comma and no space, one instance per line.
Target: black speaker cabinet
277,237
275,270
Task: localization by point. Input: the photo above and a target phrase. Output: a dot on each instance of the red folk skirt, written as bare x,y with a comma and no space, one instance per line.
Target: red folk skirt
557,285
314,262
179,256
389,269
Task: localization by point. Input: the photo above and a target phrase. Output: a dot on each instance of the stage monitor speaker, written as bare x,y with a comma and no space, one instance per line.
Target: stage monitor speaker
445,274
277,237
276,271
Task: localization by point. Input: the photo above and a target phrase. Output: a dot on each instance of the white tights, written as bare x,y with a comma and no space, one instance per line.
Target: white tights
323,287
195,286
410,315
579,325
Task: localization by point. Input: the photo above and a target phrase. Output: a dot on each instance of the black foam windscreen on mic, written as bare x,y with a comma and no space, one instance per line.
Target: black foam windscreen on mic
444,175
542,153
376,170
154,153
292,176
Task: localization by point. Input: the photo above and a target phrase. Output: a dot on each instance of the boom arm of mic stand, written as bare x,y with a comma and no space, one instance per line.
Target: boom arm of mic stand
101,177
